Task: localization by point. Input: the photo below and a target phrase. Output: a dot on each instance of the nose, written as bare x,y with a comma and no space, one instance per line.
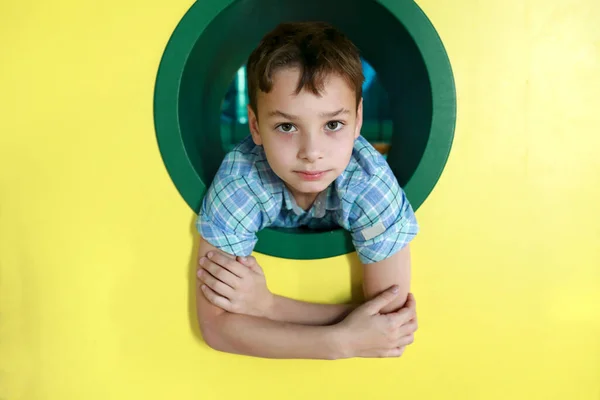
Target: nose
311,148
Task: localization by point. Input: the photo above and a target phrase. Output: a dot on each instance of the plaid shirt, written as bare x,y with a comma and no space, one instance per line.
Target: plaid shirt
366,200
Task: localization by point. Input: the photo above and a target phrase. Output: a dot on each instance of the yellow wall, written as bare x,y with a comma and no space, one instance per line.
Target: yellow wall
96,243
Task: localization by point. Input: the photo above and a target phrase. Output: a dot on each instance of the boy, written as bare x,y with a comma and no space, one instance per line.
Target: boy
305,164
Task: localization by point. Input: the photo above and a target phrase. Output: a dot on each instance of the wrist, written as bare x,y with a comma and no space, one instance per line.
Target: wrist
270,307
340,342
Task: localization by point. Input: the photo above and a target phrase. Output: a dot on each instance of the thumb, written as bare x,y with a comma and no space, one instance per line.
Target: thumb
374,305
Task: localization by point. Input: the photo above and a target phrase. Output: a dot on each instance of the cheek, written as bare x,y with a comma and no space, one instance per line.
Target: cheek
282,142
279,150
342,151
342,139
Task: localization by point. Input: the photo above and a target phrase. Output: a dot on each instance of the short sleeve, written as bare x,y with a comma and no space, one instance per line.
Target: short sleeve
381,220
231,215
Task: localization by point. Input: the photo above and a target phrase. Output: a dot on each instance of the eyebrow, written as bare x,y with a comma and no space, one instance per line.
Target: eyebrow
332,114
335,113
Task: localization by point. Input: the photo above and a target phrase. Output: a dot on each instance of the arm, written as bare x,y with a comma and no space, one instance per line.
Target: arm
364,333
252,297
301,312
394,270
382,235
253,336
238,285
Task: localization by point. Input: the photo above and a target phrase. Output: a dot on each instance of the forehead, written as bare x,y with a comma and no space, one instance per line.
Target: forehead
335,92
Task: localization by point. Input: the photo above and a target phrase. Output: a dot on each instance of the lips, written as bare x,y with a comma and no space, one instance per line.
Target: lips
311,172
310,175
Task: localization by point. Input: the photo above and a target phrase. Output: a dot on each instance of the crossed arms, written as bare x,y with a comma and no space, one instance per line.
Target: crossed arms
238,314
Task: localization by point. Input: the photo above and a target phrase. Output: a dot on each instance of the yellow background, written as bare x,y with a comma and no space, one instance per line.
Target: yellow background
96,243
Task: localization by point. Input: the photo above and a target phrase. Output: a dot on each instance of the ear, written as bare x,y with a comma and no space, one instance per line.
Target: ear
359,118
253,125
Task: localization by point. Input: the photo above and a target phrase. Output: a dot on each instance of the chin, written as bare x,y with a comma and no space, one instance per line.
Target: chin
311,187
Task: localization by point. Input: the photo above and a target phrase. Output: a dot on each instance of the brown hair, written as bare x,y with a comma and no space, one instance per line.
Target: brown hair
317,48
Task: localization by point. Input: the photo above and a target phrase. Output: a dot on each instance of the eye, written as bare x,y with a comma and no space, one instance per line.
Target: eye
334,125
286,128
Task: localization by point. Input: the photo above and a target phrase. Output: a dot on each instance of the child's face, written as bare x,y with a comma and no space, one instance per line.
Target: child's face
307,139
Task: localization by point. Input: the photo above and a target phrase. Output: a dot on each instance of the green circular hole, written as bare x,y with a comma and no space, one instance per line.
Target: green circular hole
205,52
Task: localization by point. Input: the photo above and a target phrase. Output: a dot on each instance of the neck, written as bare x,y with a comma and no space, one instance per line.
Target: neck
304,200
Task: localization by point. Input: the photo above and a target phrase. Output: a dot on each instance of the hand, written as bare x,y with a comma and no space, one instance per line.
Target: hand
233,286
367,333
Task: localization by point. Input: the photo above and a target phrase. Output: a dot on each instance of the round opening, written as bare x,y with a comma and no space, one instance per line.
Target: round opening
206,51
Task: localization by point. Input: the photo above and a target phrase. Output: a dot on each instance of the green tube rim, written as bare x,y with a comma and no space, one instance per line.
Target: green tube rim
291,243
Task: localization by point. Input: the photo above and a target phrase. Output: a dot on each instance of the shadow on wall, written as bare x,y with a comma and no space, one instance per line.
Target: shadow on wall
193,267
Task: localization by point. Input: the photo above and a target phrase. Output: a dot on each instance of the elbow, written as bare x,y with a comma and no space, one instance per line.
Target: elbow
214,334
212,341
208,334
209,328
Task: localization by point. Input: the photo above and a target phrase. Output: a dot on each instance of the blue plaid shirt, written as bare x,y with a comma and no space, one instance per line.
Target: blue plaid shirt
366,200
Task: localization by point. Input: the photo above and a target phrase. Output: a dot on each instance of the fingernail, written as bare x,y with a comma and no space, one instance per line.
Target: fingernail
202,260
200,272
243,258
209,254
395,289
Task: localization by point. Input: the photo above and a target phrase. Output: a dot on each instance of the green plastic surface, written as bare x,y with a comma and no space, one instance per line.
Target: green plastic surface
214,39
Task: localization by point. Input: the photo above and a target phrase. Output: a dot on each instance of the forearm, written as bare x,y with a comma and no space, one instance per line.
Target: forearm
299,312
260,337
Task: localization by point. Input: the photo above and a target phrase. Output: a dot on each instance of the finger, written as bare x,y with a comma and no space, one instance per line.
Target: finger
395,352
215,299
411,302
383,352
251,263
220,273
373,306
406,340
408,329
229,264
248,261
401,317
406,313
216,285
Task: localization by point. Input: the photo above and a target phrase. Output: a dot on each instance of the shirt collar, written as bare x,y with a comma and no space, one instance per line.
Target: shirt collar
326,200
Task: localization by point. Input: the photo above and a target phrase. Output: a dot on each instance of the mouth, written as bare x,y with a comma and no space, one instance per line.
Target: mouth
311,175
